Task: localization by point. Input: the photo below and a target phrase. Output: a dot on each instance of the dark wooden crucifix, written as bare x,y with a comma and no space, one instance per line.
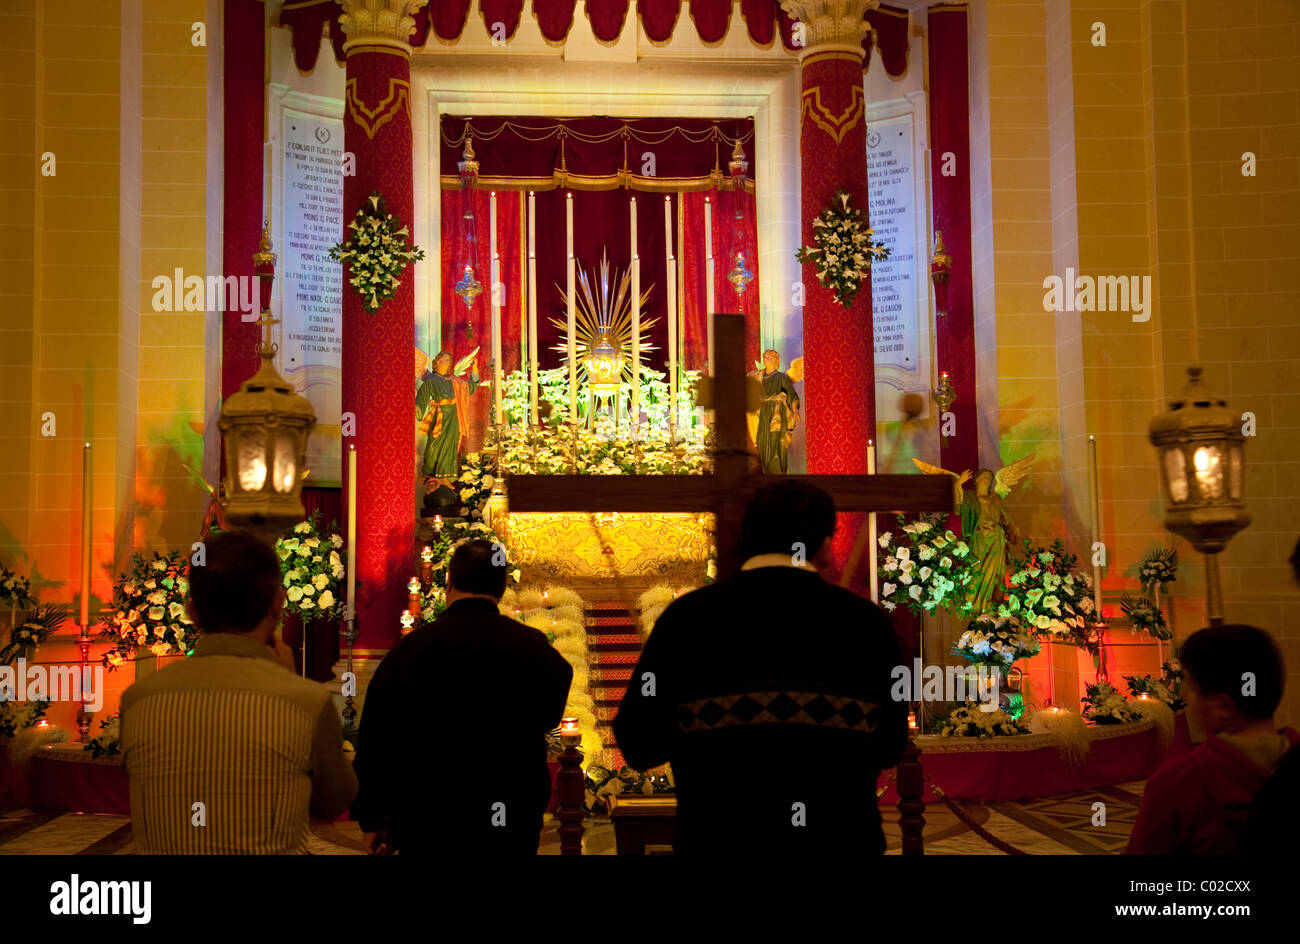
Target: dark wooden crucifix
735,478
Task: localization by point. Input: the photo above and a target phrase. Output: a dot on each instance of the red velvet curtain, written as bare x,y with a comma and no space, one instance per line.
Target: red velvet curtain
711,20
729,236
465,327
654,154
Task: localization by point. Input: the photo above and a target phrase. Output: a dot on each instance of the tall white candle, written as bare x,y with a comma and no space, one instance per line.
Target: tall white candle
636,331
352,533
573,316
670,310
498,376
871,528
532,304
86,509
708,275
1096,525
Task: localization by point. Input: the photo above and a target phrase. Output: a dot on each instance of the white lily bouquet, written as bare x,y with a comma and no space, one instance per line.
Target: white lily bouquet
845,249
925,567
148,610
1103,704
376,252
313,562
1050,597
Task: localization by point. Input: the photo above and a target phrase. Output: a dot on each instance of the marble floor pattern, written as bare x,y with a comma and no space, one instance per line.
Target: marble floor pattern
1056,825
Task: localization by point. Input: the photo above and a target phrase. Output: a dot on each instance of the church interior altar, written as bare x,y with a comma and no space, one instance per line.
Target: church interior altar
578,278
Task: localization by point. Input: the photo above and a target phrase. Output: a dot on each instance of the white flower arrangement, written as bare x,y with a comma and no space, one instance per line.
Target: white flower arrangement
926,567
996,642
969,721
1050,597
148,610
1145,615
1104,705
845,249
105,744
17,715
313,563
1167,689
29,633
599,452
15,590
1158,568
376,253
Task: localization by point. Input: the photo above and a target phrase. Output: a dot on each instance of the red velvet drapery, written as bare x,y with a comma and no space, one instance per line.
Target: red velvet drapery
950,134
658,155
711,19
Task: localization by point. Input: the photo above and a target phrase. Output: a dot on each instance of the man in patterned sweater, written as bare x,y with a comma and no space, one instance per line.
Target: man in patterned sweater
768,692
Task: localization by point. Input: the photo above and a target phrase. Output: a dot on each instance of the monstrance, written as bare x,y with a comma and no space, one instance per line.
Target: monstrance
603,333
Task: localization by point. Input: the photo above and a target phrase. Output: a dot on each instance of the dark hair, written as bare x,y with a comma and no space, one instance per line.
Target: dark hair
473,568
1217,658
784,514
1295,561
234,588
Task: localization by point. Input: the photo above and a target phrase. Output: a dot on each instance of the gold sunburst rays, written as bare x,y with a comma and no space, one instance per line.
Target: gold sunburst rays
603,327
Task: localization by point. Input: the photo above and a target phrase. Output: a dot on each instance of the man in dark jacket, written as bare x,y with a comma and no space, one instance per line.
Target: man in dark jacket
452,746
769,693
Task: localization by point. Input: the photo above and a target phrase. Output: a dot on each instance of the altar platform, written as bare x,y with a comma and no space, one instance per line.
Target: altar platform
999,769
64,778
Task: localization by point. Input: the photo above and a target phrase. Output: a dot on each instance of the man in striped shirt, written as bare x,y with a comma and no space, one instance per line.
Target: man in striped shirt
229,751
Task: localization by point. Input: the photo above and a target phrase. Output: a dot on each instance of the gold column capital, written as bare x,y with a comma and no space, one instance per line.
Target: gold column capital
379,23
840,24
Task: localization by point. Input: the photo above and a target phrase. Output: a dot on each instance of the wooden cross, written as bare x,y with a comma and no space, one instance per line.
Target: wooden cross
733,482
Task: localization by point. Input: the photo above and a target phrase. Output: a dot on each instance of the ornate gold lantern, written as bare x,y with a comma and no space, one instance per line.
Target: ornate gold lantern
1202,474
265,425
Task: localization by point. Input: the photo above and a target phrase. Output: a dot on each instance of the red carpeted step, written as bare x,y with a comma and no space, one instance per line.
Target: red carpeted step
613,648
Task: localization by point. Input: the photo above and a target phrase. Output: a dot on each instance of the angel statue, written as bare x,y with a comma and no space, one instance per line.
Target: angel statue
984,524
442,414
773,422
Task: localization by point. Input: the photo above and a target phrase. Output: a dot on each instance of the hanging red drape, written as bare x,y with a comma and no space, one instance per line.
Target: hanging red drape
448,17
654,154
465,327
710,19
505,12
729,235
890,27
607,19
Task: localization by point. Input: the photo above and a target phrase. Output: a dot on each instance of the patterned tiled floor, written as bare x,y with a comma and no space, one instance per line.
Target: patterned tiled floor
1058,825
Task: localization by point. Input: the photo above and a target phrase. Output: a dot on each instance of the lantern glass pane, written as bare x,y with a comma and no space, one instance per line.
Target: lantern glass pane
1176,474
1209,472
285,464
1234,473
252,459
